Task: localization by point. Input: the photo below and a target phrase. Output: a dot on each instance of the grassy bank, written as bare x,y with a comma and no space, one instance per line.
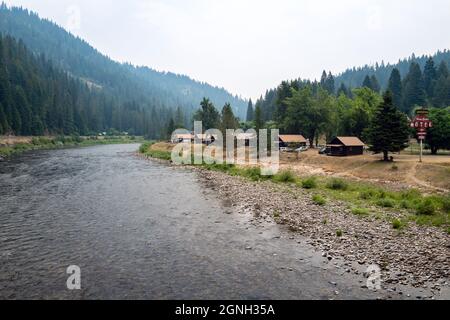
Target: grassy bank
48,143
363,199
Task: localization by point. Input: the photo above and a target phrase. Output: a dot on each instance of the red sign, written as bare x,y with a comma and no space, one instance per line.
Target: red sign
421,123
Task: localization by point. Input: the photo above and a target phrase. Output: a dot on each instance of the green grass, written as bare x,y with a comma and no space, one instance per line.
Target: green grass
360,211
309,183
285,176
362,197
398,224
337,184
319,200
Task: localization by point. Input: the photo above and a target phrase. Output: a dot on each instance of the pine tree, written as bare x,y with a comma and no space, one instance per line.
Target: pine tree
229,121
375,84
259,122
389,129
344,90
429,77
414,90
438,136
170,129
441,97
250,112
367,83
396,88
329,84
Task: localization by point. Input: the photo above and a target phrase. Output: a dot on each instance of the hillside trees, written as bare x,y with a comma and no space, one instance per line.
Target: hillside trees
389,129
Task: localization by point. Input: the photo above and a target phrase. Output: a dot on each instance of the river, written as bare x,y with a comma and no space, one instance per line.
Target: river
143,230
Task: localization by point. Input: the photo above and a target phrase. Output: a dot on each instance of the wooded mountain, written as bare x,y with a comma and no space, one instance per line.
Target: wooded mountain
161,94
354,77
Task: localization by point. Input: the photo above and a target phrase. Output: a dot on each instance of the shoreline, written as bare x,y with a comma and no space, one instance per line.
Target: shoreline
49,143
415,257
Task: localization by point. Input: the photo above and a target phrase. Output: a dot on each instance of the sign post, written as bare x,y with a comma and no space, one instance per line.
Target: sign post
421,123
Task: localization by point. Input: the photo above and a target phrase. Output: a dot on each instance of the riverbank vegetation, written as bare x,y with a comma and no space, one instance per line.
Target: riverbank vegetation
39,143
363,198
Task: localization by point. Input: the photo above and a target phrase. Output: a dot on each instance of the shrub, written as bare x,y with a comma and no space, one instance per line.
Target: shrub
411,194
253,173
426,207
309,183
285,176
386,203
319,200
397,224
367,194
360,212
339,233
337,184
446,204
394,167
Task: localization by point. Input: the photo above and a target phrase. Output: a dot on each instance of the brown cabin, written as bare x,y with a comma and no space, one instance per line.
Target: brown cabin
345,146
292,141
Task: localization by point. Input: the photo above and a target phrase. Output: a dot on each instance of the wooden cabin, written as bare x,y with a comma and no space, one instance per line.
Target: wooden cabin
345,146
292,141
182,138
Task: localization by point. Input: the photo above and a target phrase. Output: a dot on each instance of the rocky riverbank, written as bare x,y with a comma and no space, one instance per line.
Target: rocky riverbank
416,256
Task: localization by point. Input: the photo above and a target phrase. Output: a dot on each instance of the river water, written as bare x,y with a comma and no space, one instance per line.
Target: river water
143,230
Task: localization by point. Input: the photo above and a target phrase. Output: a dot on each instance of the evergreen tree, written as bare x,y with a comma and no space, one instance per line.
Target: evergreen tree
396,88
442,70
367,83
429,77
208,115
259,122
441,97
414,90
344,90
375,84
389,129
250,112
229,121
329,84
438,136
170,128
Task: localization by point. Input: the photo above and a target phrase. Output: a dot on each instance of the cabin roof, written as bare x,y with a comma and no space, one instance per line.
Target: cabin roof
184,136
293,138
348,142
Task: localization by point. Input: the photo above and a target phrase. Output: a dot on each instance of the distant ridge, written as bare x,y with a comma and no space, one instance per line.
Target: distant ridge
124,81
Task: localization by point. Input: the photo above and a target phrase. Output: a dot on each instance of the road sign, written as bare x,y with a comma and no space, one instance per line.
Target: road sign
421,123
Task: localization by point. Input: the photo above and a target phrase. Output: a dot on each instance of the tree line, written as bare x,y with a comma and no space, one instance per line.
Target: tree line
37,98
318,109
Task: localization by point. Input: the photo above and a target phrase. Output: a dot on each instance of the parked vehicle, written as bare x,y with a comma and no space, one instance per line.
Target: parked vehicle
302,149
323,150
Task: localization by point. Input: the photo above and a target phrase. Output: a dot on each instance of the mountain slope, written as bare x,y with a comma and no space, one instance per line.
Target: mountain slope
124,81
354,77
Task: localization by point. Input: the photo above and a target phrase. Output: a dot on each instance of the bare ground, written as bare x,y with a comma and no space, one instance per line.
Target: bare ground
416,256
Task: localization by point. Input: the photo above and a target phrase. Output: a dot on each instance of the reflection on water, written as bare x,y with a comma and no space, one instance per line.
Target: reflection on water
140,230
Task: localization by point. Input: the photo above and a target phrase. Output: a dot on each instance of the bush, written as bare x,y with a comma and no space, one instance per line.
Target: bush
386,203
285,176
367,194
397,224
253,173
426,208
446,204
339,233
360,212
319,200
309,183
337,184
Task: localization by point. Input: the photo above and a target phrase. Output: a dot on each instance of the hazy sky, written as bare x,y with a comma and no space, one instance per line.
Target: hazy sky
248,46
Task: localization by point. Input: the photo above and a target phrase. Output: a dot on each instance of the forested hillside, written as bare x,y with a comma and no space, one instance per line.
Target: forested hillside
161,95
36,98
354,77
